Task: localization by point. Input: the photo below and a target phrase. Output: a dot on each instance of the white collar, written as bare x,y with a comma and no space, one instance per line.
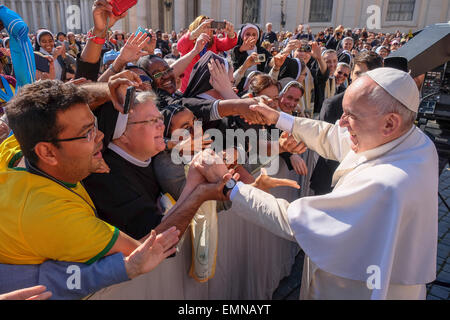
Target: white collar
128,157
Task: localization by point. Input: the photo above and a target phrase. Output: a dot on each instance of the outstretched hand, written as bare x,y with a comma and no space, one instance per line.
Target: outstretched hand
152,252
260,113
289,144
133,48
33,293
265,182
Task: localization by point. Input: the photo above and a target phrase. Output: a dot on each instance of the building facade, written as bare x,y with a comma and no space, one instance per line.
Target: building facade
168,15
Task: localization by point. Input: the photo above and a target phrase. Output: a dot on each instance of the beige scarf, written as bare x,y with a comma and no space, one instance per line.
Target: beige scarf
330,90
306,106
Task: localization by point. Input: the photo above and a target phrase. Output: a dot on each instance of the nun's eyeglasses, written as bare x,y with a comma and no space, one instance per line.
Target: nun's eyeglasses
162,73
152,121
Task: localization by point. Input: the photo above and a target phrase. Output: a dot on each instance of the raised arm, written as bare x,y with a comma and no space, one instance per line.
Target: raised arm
103,20
181,64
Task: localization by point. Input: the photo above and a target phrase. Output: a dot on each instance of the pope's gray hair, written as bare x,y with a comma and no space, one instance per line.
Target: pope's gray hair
388,104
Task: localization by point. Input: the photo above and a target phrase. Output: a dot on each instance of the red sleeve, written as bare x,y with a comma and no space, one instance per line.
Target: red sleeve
185,45
226,43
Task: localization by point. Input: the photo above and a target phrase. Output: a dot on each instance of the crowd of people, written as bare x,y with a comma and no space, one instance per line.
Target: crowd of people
87,183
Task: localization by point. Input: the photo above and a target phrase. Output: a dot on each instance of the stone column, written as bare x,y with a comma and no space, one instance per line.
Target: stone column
34,23
53,17
82,16
62,16
180,14
13,6
44,14
24,10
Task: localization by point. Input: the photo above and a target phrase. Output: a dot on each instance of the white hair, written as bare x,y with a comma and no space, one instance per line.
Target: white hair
143,97
388,104
348,38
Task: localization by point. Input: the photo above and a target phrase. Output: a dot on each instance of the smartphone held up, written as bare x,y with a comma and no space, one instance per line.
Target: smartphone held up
122,6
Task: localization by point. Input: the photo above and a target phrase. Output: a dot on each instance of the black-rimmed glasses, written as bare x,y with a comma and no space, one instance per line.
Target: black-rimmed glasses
89,136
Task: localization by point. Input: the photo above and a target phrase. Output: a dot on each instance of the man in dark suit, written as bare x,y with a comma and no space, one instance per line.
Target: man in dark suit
331,112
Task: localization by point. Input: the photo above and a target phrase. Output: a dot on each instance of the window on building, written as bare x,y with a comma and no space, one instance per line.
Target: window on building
400,10
250,11
320,10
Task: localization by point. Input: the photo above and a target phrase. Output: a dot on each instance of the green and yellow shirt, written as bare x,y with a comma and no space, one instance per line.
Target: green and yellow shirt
41,220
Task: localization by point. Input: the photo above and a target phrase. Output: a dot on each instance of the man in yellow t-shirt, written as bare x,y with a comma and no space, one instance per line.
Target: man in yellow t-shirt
45,213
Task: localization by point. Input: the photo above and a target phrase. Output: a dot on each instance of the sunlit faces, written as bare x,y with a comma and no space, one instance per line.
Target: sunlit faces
341,74
76,159
347,44
304,56
166,82
383,52
47,42
272,93
144,135
250,33
358,70
183,120
331,60
290,99
363,121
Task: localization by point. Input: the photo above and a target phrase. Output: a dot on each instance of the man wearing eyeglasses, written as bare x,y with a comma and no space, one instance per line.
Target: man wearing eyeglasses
341,75
45,212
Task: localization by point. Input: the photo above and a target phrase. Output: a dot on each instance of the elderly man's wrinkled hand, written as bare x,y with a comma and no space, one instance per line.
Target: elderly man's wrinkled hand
259,113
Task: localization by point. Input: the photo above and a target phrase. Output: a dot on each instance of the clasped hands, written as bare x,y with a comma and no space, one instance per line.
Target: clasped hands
209,171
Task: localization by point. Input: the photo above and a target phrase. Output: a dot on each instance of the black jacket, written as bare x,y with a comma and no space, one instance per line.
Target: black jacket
323,171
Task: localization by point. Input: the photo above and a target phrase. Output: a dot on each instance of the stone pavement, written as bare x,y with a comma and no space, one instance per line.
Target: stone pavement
289,288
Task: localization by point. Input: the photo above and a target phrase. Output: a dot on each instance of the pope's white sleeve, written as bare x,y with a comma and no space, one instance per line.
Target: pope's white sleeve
328,140
262,209
285,122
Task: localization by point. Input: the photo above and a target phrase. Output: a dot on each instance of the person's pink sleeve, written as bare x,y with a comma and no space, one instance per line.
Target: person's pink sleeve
185,45
226,43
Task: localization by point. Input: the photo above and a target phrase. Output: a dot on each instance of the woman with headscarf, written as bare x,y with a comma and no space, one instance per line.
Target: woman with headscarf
5,57
202,24
45,44
249,41
211,79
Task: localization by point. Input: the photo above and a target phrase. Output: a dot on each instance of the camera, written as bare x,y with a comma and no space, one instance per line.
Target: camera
129,100
305,48
218,25
261,58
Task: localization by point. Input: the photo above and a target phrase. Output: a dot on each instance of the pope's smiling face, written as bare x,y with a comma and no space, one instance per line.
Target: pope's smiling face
363,120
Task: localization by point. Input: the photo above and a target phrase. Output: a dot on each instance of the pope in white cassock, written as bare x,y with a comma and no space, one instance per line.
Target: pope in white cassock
375,235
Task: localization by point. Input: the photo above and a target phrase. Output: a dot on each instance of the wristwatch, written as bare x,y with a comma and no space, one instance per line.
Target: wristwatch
229,186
